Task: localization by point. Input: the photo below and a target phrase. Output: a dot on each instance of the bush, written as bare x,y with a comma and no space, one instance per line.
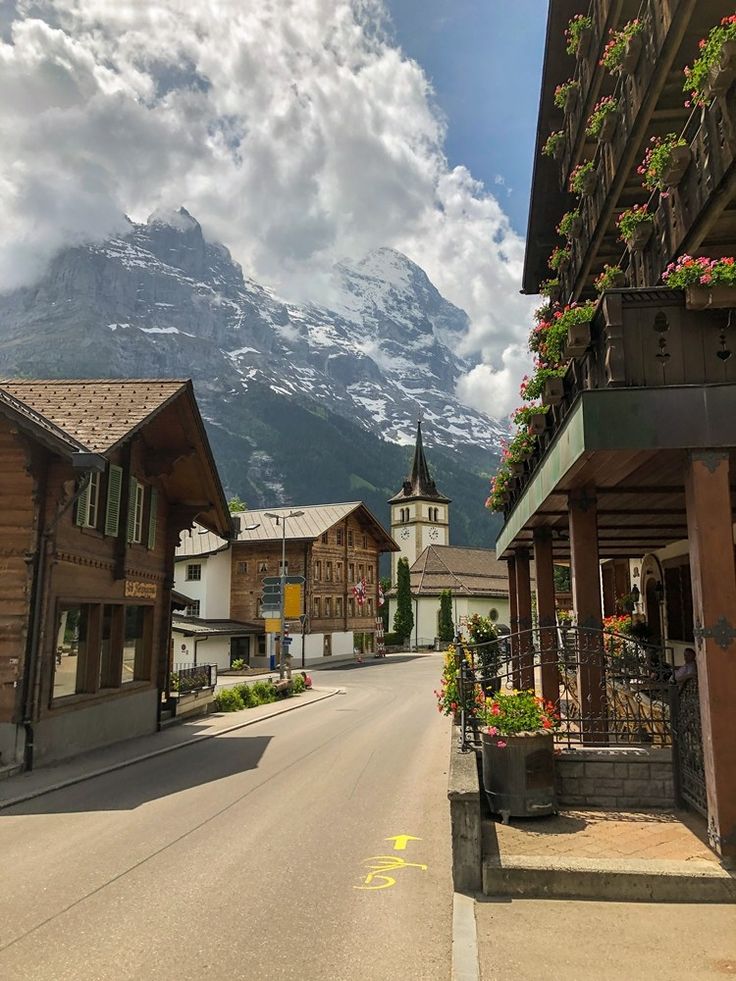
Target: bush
298,685
228,700
263,692
246,693
392,639
238,664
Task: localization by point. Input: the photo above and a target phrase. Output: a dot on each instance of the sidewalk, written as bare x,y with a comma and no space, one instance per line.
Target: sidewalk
25,786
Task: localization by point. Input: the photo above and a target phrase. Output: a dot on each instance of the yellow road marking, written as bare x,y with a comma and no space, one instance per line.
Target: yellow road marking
401,840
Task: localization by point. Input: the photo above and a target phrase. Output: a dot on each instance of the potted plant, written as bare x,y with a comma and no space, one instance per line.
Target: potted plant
665,163
484,636
578,35
623,48
450,699
567,95
569,334
559,261
565,618
635,227
500,489
714,70
571,225
612,277
708,283
602,122
517,747
532,388
584,179
554,390
550,288
554,145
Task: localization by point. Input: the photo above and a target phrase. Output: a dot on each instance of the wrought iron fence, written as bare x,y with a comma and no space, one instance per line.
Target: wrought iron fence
690,768
608,689
194,678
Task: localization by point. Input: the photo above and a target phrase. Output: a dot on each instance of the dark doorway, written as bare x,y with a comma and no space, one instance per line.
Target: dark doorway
654,612
240,650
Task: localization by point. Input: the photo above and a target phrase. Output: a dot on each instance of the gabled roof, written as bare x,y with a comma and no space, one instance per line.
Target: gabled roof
464,571
312,524
197,626
419,483
99,414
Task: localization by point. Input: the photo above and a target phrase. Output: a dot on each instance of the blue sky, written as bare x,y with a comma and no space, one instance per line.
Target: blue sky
485,60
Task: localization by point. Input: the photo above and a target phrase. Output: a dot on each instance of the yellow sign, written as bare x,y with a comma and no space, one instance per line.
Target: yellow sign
401,840
140,590
272,626
292,600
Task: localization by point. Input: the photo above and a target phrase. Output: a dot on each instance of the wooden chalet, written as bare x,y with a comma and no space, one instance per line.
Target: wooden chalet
98,480
638,457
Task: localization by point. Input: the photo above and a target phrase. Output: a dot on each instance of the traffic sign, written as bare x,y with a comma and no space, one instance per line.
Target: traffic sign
272,589
287,640
272,625
292,600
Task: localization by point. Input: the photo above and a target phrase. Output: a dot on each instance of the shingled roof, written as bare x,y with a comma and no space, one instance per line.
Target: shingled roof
97,414
464,571
419,483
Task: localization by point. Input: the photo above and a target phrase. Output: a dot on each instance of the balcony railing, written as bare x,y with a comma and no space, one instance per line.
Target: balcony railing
642,338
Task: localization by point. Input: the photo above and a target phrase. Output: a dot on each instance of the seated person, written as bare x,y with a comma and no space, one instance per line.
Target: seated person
687,670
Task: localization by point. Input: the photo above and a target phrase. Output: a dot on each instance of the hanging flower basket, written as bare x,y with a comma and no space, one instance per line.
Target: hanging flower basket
553,391
571,225
537,423
608,127
635,226
585,36
631,55
584,179
723,72
612,278
578,340
710,297
639,238
677,165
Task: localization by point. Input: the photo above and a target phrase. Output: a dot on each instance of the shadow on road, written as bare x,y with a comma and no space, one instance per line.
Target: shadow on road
162,776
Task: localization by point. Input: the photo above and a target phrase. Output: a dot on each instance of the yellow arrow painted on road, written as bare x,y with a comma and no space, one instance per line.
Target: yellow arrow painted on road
401,840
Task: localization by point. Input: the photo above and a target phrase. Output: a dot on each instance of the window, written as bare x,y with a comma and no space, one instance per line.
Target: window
370,573
112,622
284,568
88,503
318,571
136,643
370,606
679,603
365,541
71,650
338,536
112,506
152,518
328,606
194,572
338,572
262,645
328,571
325,538
192,610
135,511
350,539
317,607
338,606
242,568
351,572
351,606
263,566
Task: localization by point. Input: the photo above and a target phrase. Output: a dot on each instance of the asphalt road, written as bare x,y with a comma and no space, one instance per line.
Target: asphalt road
248,856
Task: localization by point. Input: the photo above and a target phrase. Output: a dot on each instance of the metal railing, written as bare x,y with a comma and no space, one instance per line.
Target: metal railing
185,680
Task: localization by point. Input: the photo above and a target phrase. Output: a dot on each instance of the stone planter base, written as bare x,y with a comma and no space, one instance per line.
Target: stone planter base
673,173
638,240
554,391
519,776
710,297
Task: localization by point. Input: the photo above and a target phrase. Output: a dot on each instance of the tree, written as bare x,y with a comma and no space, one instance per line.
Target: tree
446,628
562,579
385,586
403,617
236,505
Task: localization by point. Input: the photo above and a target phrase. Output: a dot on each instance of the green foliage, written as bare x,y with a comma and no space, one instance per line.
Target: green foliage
563,91
404,616
608,279
556,334
483,633
298,684
448,694
574,32
579,175
559,259
392,640
263,692
615,49
563,582
236,505
605,107
246,693
567,222
533,387
550,287
446,628
657,160
238,664
700,272
228,700
553,142
697,77
383,611
508,713
630,220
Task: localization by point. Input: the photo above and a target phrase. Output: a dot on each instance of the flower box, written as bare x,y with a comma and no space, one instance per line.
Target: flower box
516,469
537,423
679,161
589,184
572,97
710,297
519,774
553,391
640,236
608,128
631,55
723,72
578,340
576,228
586,36
559,151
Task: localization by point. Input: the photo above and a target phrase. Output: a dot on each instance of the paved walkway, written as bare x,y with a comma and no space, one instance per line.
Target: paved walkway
25,786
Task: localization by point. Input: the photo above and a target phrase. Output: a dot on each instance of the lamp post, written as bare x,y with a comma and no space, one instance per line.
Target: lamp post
283,518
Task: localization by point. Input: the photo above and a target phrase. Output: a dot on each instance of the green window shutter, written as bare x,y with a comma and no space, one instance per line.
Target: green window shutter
82,514
152,518
132,484
112,511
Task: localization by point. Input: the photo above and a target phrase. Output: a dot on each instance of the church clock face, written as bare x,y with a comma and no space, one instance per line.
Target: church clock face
404,533
434,534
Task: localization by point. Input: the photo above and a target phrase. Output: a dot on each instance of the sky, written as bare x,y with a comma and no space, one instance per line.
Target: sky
298,132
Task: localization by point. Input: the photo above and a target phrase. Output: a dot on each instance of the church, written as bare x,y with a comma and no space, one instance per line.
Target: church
420,525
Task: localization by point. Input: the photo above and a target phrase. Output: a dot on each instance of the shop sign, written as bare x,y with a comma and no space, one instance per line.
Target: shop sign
140,590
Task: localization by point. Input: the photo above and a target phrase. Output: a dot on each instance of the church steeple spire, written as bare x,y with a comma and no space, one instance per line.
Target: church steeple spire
419,483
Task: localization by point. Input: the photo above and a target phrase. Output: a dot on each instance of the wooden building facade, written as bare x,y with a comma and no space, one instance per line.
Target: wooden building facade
99,478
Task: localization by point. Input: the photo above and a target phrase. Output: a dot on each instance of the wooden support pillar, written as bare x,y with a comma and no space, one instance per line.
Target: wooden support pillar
713,574
545,578
524,613
513,620
586,594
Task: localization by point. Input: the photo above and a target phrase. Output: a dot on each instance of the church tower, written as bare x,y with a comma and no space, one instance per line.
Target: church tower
420,515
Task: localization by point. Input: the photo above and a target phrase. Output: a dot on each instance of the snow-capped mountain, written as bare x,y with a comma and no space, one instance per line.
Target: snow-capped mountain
162,300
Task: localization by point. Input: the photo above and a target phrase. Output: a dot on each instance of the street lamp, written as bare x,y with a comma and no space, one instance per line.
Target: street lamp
283,518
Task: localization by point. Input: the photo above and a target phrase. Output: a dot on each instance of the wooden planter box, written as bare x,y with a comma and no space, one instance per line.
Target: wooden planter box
590,183
608,128
559,151
723,73
517,469
641,235
562,266
519,774
571,100
576,228
538,423
679,161
553,392
586,36
632,54
710,297
578,340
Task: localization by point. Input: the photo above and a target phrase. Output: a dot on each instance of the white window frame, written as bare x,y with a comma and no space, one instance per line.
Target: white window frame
140,492
188,577
193,609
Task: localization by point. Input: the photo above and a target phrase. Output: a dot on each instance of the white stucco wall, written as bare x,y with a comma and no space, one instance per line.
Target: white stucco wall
314,644
213,589
213,650
426,610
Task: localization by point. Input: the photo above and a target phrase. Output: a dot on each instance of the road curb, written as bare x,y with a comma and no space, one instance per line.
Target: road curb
120,765
464,939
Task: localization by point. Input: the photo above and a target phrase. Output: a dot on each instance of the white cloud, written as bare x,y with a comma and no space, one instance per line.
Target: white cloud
494,389
294,130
